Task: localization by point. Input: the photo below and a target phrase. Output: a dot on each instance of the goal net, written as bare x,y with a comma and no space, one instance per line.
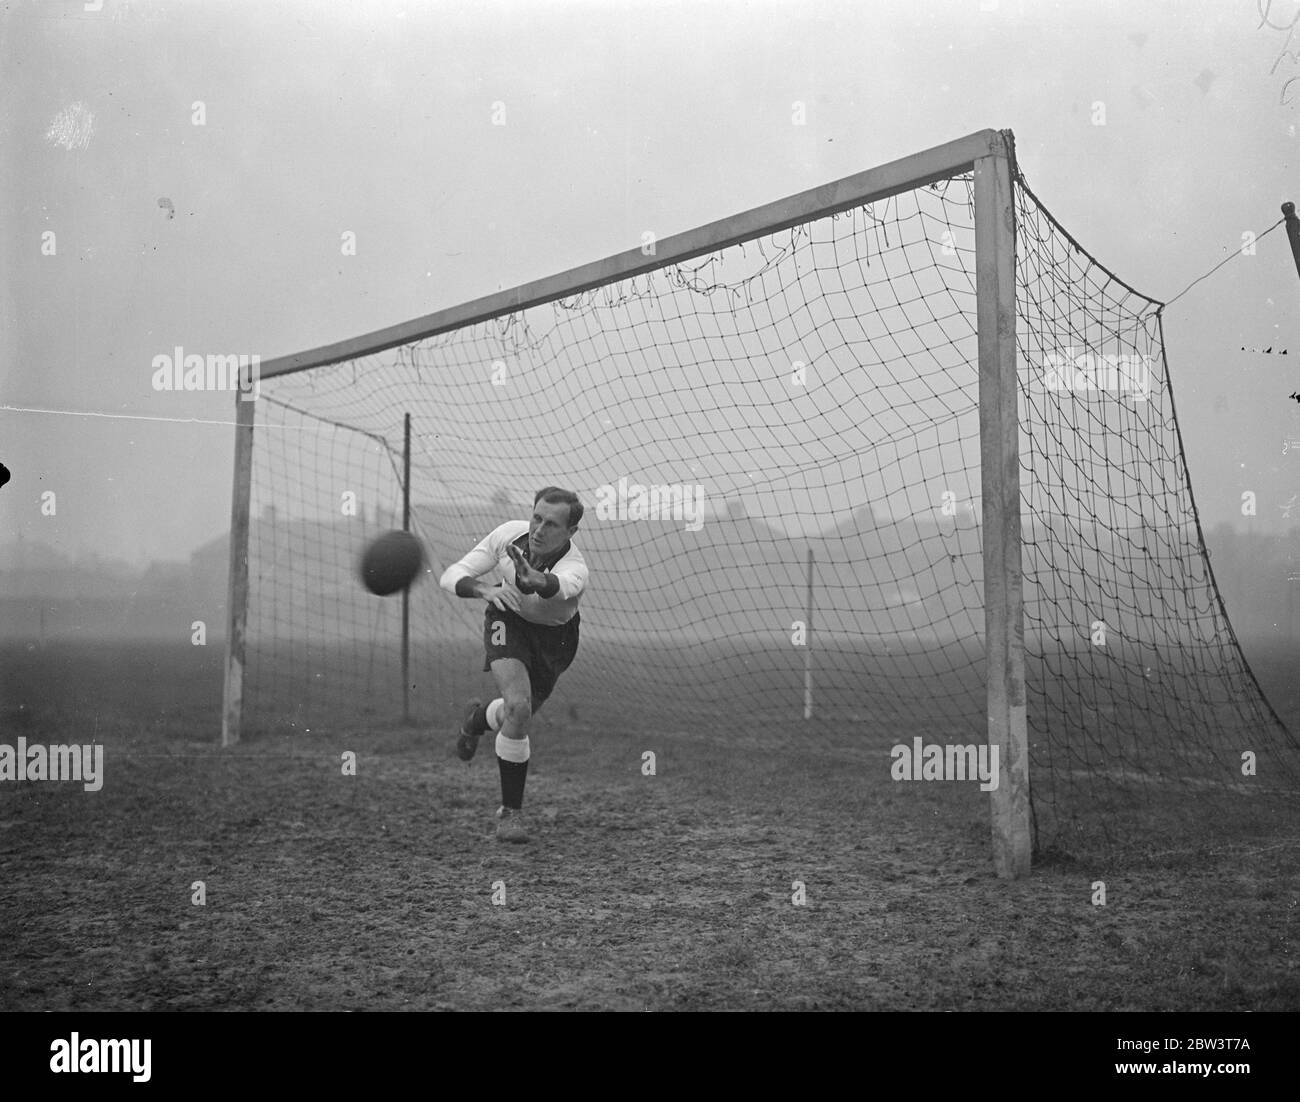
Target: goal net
775,430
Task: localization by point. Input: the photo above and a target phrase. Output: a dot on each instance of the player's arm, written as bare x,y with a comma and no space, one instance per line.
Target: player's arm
463,578
471,587
569,582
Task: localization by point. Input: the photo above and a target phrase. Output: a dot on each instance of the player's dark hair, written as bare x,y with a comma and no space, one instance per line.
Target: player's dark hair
554,495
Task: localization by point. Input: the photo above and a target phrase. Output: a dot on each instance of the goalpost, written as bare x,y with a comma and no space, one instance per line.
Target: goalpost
814,364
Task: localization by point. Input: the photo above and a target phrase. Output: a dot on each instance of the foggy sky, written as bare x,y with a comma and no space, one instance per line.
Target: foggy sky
376,118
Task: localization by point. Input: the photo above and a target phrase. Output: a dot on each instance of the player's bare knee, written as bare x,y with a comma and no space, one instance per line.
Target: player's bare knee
517,714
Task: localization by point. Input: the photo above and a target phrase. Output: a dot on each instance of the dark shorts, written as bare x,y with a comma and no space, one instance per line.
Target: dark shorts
545,650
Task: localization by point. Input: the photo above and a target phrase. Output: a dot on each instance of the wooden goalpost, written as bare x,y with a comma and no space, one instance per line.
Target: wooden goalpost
989,155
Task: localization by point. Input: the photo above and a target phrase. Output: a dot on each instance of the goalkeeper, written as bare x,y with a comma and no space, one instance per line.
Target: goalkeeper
530,633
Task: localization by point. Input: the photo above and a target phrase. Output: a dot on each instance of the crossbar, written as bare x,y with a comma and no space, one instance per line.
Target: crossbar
940,163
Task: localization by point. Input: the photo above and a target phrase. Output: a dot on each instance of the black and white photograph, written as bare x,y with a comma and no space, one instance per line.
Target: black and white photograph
651,505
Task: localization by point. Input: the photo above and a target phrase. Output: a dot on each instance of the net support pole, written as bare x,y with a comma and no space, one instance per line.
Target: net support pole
406,593
1004,628
232,705
1292,232
807,650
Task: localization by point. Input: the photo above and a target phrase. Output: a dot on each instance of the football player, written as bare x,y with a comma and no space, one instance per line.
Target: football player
530,633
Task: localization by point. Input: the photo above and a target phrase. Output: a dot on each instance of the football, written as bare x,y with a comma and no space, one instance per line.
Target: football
391,563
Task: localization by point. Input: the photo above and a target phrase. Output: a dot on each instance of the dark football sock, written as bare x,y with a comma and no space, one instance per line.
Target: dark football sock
478,721
513,775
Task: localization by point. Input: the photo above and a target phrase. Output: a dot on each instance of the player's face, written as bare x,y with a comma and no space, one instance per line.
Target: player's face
549,528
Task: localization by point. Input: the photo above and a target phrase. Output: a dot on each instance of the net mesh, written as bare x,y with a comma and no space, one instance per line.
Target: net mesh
777,447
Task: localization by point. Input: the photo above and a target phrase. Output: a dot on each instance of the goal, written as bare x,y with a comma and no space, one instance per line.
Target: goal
889,463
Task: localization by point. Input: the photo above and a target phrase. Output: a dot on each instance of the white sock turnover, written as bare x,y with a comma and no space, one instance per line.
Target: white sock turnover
513,749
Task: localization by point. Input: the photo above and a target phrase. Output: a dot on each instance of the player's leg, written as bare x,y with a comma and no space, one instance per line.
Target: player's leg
524,689
526,660
555,651
504,636
554,654
478,720
512,747
515,687
472,726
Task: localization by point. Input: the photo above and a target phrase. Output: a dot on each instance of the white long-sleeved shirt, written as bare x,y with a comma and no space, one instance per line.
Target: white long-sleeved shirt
570,568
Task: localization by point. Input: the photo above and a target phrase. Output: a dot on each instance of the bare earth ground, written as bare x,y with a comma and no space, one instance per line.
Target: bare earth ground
672,891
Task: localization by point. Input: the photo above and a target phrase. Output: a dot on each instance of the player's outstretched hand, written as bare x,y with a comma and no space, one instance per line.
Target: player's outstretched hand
504,596
530,578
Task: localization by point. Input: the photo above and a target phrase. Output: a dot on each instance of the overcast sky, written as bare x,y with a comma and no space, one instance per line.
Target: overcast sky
198,162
